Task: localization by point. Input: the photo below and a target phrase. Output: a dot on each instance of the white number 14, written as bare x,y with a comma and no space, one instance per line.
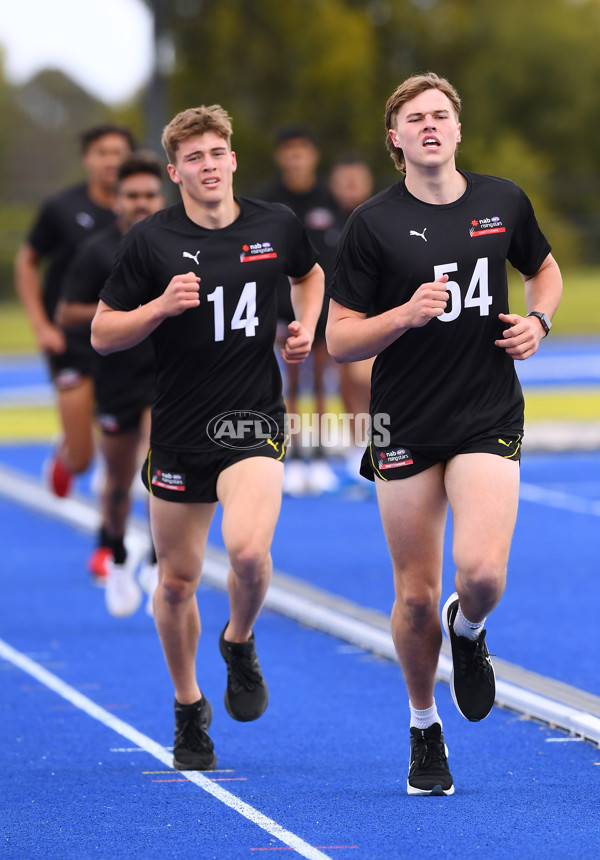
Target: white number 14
246,304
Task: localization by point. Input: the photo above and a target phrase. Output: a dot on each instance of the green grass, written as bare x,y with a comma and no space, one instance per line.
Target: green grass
28,423
574,404
578,314
16,335
579,310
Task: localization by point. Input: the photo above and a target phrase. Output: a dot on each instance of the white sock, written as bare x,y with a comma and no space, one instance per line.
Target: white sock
424,719
463,627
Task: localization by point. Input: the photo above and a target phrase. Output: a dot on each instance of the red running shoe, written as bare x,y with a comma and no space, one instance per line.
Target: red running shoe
59,477
98,564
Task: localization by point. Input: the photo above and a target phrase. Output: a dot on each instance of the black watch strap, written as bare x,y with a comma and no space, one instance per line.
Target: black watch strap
544,320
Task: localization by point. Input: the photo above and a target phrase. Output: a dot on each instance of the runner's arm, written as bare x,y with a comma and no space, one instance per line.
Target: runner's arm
543,290
75,314
49,337
352,336
307,301
114,330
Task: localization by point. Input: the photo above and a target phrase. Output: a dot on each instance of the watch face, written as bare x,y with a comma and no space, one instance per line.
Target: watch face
543,318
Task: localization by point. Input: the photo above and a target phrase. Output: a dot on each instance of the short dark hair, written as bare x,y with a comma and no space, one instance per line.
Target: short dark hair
91,135
295,132
349,160
140,162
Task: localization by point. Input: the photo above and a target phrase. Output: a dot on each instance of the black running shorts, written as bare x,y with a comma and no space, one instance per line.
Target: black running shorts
398,461
192,476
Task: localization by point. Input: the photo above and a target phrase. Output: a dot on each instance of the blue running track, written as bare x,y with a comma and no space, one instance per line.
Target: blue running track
86,704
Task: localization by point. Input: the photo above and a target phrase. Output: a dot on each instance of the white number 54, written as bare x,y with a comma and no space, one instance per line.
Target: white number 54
477,295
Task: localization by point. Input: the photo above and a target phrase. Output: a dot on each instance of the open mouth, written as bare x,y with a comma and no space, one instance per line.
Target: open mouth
431,143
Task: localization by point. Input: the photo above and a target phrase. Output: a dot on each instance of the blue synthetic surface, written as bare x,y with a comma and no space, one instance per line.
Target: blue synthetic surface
328,759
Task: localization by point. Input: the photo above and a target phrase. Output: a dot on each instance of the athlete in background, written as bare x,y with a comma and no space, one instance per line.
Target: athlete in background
64,221
299,186
352,183
123,382
426,258
201,279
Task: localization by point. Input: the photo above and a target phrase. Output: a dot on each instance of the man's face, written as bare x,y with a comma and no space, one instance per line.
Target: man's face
427,130
204,167
351,185
103,157
138,196
297,156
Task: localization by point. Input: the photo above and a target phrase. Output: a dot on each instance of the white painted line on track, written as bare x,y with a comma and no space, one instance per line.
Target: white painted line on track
303,607
54,683
559,499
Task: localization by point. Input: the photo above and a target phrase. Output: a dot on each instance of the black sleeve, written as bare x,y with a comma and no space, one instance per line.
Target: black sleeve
301,253
44,235
129,284
356,272
85,276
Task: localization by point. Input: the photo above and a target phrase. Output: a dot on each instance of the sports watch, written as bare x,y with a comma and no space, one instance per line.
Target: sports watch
545,321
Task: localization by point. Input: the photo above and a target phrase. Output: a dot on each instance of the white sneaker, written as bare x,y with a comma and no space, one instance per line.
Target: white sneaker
148,579
353,461
123,595
295,478
321,478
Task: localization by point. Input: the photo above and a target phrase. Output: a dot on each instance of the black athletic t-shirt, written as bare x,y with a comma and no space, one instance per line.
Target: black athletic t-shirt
319,213
118,377
219,356
445,382
64,221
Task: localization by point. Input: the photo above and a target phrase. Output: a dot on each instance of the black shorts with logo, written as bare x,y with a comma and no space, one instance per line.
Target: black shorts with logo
191,476
398,461
122,421
68,369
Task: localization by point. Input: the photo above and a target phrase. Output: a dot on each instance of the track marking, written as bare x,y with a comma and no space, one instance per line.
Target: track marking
559,499
531,695
563,740
54,683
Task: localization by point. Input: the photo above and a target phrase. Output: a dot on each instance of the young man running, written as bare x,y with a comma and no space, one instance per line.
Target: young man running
123,382
201,279
65,220
426,259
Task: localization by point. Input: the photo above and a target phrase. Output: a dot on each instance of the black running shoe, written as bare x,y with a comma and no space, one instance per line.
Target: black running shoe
193,749
472,683
428,771
246,696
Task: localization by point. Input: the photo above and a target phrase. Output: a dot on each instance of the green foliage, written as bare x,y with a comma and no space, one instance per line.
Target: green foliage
271,64
14,224
528,74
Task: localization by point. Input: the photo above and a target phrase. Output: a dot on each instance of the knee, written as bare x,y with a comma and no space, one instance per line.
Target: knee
117,496
250,562
177,586
484,580
418,602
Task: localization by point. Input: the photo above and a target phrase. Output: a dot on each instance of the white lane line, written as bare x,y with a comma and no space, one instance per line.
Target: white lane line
559,499
305,609
154,749
563,740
